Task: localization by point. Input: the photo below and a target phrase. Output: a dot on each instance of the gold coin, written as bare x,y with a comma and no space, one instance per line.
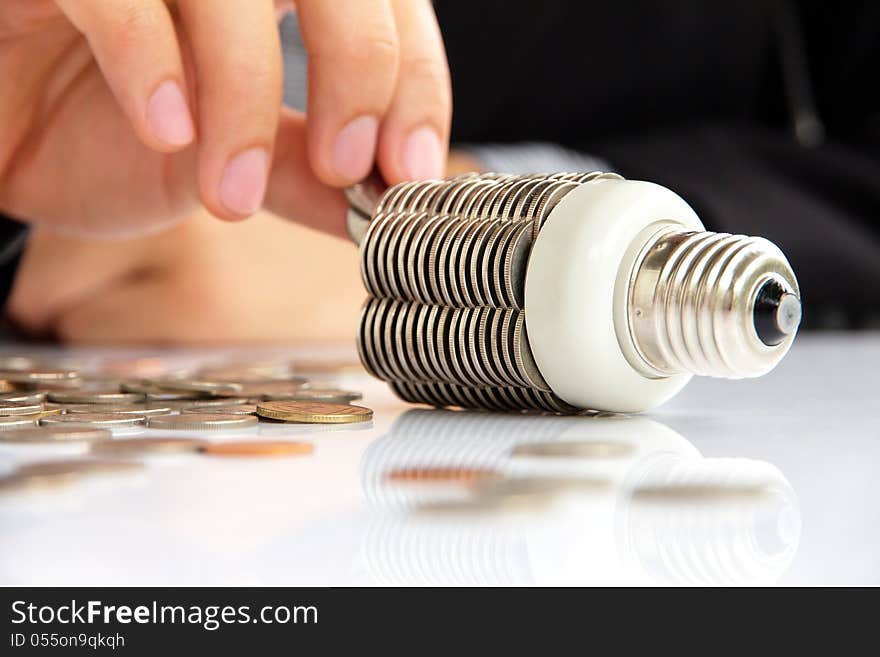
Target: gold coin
313,412
259,448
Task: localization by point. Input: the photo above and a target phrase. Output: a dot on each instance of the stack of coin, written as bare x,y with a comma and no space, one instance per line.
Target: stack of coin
444,262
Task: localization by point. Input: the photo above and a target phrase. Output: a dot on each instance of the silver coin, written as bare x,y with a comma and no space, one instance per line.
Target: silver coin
108,420
23,397
119,409
95,397
38,375
18,408
195,385
202,422
237,409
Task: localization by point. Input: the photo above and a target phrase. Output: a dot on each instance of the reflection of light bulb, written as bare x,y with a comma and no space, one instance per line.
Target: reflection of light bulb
670,516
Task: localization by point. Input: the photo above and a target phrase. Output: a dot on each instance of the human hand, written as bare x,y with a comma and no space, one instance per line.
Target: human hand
124,116
200,282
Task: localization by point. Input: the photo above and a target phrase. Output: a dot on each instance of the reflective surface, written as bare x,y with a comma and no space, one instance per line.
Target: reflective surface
764,481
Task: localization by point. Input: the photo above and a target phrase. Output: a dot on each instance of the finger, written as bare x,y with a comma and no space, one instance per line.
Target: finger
353,61
135,44
294,191
237,58
415,133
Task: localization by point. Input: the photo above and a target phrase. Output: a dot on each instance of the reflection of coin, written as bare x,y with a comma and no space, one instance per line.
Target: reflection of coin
57,433
94,397
575,449
148,445
440,475
74,468
109,420
17,422
258,448
313,412
202,422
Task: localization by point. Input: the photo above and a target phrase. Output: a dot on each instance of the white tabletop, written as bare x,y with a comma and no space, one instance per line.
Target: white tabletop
773,480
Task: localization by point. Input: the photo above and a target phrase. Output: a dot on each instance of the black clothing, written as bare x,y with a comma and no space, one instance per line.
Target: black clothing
702,98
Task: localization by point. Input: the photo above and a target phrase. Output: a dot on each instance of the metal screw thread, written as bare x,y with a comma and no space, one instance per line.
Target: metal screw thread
691,304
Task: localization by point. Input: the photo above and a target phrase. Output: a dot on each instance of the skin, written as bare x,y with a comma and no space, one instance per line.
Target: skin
201,281
86,157
84,151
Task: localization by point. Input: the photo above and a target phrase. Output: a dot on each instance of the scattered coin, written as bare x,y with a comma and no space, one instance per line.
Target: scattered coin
147,445
258,448
235,409
54,434
19,408
202,422
574,449
195,385
328,395
213,403
23,397
109,420
313,412
37,376
17,422
119,409
95,397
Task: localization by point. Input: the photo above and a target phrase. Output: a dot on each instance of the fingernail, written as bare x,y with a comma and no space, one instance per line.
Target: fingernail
354,149
422,154
168,115
243,184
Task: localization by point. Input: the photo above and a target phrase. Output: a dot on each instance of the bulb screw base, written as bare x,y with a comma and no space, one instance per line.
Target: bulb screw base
712,304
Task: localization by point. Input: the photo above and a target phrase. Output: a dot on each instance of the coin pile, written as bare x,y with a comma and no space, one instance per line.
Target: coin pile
444,262
55,402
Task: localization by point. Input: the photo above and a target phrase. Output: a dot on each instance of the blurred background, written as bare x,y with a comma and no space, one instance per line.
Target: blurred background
764,116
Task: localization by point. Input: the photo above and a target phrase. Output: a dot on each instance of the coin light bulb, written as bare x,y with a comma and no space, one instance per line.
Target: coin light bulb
562,293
